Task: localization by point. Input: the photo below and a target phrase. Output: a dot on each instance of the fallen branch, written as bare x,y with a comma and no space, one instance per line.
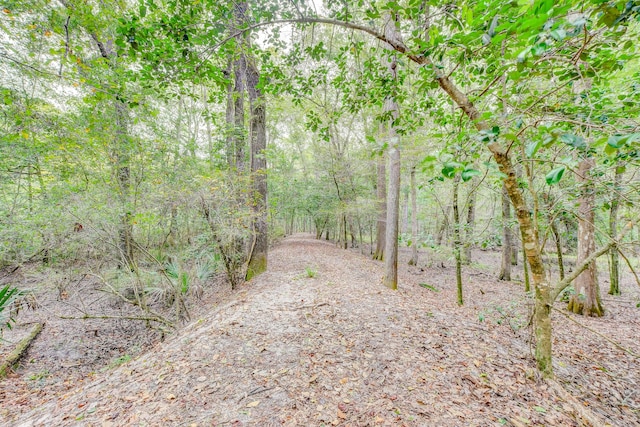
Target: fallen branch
583,412
630,266
615,344
301,307
255,391
20,350
119,317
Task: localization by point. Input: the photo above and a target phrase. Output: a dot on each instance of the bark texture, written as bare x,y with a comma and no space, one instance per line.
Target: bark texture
393,196
614,258
586,300
381,196
457,249
470,225
258,256
505,268
414,219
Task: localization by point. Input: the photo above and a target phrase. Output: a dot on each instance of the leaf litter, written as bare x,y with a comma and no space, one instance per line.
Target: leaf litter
339,349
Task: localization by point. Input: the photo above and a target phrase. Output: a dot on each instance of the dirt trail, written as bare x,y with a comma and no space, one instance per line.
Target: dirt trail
333,349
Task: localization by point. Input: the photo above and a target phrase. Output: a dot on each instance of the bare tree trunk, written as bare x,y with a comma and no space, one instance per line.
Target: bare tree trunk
614,261
558,241
405,212
123,173
414,219
443,227
586,300
525,272
381,202
457,246
393,207
258,254
239,67
390,279
505,269
470,225
230,118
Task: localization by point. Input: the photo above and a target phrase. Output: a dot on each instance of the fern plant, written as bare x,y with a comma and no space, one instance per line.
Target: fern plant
8,295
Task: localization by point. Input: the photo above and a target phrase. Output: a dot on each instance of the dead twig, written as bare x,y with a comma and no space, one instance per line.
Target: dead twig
255,391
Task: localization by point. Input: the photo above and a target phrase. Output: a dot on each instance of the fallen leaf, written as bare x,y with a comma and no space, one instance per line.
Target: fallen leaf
253,404
313,378
341,414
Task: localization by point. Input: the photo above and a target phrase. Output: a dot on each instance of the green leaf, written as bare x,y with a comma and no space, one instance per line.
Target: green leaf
616,141
430,287
573,141
555,175
559,34
532,148
450,168
467,174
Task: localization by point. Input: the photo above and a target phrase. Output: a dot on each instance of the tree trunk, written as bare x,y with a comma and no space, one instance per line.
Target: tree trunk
405,212
614,261
414,219
457,246
123,173
586,300
558,241
381,202
542,287
238,110
390,279
258,255
230,118
525,272
120,152
470,225
505,269
393,207
443,227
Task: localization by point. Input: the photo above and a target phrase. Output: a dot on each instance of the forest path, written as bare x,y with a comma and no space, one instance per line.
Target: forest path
334,349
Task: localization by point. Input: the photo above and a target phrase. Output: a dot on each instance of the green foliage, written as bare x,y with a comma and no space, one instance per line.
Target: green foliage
555,175
310,272
503,315
39,376
118,361
567,293
8,294
430,287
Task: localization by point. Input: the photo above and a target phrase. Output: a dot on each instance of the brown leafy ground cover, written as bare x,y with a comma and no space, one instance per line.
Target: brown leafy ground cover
340,349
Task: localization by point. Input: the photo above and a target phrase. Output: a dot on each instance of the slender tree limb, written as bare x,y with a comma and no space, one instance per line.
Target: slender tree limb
626,260
609,340
580,268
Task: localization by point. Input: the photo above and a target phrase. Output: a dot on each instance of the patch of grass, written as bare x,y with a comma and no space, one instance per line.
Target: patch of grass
119,361
430,287
39,376
310,272
499,314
